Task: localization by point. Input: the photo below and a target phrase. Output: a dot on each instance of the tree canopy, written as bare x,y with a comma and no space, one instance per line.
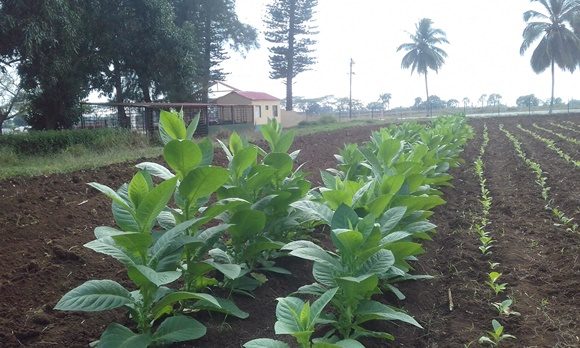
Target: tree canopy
558,43
423,52
127,49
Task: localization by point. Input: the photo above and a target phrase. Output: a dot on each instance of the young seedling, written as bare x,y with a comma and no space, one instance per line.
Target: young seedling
504,308
493,265
492,282
486,244
493,338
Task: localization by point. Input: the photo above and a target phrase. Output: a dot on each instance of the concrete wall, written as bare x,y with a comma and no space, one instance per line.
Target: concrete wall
264,110
291,118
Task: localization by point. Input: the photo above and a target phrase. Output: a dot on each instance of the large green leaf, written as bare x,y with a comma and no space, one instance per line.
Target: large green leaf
143,275
288,312
226,306
360,287
190,131
315,210
154,203
206,147
109,192
139,187
174,297
202,182
182,156
171,126
316,255
118,336
344,218
281,161
155,169
178,328
94,296
265,343
242,160
110,249
320,303
373,310
246,224
391,218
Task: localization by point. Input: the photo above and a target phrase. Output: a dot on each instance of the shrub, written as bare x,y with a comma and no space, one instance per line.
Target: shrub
327,119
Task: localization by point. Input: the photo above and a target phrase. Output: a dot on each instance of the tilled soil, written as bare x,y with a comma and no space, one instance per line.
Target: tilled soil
44,222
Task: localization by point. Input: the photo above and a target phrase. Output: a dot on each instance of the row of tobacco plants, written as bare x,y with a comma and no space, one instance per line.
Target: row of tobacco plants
542,182
482,228
199,227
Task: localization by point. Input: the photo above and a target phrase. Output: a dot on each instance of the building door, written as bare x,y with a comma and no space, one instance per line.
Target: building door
257,111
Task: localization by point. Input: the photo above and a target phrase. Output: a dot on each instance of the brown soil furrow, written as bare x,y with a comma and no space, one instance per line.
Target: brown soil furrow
562,178
453,259
538,260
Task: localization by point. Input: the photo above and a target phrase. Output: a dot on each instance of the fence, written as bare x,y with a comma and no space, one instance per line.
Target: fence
144,117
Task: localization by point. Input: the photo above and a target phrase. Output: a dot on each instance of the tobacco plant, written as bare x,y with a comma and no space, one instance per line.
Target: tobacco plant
494,338
299,319
492,282
504,308
269,183
356,267
151,264
160,238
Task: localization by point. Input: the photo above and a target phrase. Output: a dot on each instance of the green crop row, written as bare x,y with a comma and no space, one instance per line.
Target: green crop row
568,128
559,135
377,203
552,146
204,226
541,180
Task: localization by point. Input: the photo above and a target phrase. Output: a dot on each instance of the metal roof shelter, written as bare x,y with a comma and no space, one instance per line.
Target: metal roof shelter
144,117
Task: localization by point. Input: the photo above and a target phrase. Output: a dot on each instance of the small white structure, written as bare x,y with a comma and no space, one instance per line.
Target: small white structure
265,105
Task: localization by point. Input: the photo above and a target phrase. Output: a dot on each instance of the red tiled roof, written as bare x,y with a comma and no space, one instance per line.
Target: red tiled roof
256,95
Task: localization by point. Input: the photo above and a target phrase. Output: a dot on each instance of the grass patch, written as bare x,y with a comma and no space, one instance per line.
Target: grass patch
128,148
74,158
52,152
313,128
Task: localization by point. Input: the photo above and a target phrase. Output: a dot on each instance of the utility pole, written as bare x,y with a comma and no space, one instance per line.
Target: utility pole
350,91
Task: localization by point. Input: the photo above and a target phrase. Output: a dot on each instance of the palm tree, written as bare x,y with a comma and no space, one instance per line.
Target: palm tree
423,53
386,99
465,102
558,42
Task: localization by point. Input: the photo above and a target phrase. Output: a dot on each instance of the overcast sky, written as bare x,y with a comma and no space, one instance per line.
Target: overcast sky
485,37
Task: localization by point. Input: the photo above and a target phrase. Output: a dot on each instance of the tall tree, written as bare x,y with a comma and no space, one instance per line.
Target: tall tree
482,99
51,42
558,45
385,98
494,99
290,30
423,52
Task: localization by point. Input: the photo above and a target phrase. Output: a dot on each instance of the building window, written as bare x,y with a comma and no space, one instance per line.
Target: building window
267,107
275,110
